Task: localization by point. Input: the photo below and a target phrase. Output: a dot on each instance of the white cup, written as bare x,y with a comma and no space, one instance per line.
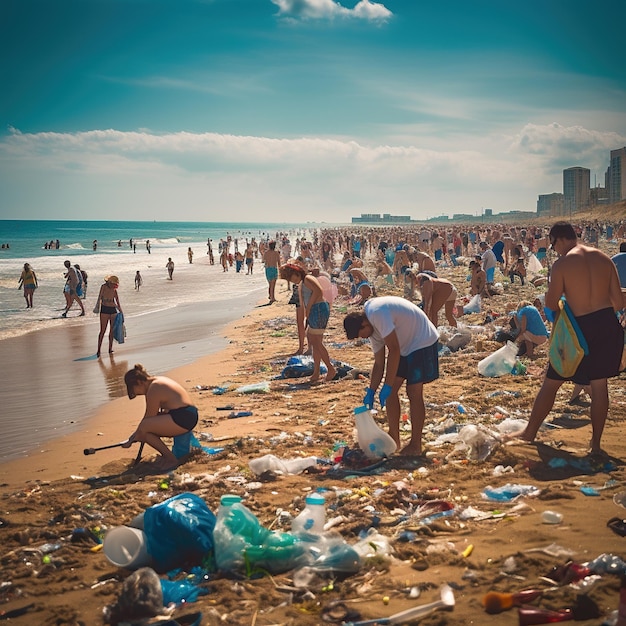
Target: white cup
126,547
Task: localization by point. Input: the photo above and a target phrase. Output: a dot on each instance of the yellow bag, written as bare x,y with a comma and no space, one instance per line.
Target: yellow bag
567,343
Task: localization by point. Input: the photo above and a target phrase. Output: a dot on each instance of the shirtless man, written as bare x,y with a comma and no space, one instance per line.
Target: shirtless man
588,280
271,260
425,262
478,284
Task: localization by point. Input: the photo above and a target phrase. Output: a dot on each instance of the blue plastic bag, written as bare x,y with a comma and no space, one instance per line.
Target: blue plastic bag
119,332
179,532
299,366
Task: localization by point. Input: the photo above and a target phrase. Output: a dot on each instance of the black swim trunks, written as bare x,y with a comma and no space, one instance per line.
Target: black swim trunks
605,338
186,417
108,310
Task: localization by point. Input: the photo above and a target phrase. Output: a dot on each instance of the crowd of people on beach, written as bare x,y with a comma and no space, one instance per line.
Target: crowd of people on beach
403,330
403,334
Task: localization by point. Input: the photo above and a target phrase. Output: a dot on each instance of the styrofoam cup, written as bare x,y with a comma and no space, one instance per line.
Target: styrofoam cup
126,547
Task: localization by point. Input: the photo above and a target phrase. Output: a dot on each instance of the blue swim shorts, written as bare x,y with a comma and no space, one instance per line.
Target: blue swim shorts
490,274
319,315
421,366
271,273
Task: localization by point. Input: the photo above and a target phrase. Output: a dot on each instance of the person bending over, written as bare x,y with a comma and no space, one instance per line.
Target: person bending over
169,412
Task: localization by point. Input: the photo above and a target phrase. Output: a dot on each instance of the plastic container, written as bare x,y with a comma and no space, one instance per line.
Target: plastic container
126,547
500,363
551,517
313,517
243,544
269,462
373,440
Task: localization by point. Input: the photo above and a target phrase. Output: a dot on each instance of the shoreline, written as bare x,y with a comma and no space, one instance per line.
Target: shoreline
61,457
54,385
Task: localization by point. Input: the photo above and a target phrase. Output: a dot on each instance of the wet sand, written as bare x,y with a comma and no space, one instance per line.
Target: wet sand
53,382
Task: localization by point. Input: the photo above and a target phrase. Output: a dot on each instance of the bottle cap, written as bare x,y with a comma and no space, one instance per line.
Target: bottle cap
315,498
229,498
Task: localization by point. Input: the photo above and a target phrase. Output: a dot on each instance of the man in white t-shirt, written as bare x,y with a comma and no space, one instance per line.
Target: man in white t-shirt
405,345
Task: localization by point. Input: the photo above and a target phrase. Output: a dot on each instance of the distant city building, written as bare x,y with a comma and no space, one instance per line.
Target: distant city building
576,189
385,218
550,205
616,176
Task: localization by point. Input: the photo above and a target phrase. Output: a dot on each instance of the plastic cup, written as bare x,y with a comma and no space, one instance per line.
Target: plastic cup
126,547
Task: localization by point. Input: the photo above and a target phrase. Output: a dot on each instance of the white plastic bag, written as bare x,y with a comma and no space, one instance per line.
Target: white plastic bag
473,306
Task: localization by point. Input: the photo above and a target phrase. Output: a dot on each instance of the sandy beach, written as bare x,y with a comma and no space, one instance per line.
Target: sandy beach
484,546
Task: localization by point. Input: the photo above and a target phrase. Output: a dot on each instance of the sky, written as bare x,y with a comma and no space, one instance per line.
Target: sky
302,110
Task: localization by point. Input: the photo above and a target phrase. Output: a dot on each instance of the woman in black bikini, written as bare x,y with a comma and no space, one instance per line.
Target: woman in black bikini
169,412
109,306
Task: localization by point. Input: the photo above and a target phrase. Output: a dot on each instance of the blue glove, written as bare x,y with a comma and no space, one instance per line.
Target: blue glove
385,392
368,400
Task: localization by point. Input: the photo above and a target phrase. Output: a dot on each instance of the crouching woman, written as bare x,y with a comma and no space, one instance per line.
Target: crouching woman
169,412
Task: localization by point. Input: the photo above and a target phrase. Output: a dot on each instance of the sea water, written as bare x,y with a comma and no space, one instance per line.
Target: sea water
52,381
114,255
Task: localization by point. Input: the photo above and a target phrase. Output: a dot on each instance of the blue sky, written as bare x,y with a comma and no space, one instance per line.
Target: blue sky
302,110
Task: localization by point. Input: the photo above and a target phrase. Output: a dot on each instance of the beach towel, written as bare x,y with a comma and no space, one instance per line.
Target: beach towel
567,343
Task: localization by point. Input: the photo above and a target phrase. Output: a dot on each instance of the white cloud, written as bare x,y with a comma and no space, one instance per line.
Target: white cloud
558,147
147,174
328,9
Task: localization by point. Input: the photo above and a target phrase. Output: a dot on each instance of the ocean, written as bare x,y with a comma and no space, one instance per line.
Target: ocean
52,381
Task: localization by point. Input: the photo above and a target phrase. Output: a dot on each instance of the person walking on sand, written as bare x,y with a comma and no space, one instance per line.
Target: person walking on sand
271,260
28,280
109,306
316,312
73,280
170,268
588,280
402,331
138,280
190,255
169,412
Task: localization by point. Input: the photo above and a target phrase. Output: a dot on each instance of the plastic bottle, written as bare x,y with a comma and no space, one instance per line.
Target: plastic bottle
313,517
373,440
235,527
243,543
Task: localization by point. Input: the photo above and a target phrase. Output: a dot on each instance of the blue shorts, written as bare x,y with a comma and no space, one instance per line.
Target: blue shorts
319,315
271,273
438,254
490,274
421,366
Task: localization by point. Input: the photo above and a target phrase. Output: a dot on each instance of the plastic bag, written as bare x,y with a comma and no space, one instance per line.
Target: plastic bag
299,366
181,591
473,306
263,387
179,532
500,363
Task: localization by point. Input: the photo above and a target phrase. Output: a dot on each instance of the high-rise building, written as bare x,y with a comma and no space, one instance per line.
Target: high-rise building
616,176
550,205
576,189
